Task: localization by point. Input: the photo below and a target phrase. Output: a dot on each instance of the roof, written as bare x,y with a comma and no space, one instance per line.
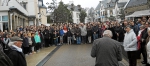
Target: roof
98,6
136,2
122,4
140,13
76,8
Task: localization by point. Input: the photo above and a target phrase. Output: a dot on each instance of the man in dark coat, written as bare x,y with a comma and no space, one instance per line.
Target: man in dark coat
106,50
15,53
46,36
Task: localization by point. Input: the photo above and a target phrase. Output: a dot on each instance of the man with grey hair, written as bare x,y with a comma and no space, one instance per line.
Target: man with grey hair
130,45
106,50
15,52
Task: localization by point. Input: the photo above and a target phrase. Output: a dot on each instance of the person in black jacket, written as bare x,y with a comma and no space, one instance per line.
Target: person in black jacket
89,34
144,35
15,53
25,44
46,37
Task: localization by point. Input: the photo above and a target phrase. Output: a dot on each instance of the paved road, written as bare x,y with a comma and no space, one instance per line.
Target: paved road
72,55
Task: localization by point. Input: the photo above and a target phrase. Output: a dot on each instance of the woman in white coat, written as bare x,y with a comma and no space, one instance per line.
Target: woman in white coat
148,49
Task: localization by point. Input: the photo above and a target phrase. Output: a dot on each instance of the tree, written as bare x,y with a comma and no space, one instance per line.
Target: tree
62,14
82,16
49,20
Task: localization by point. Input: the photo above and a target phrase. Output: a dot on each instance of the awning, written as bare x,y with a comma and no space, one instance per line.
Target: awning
140,13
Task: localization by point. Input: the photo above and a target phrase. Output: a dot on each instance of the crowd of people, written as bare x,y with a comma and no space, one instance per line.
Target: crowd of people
37,37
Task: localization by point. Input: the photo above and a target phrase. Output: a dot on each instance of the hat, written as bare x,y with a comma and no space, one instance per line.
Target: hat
16,38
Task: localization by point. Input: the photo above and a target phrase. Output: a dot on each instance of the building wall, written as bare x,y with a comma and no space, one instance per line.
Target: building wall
75,16
43,16
31,9
4,20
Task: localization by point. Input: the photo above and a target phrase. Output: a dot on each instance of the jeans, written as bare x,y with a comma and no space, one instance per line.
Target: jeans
78,40
56,41
69,40
83,39
95,36
89,39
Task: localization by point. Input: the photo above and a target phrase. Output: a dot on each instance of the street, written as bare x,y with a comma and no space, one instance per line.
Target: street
73,55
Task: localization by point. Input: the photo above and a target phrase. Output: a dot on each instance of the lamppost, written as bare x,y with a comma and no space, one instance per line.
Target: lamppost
39,19
52,6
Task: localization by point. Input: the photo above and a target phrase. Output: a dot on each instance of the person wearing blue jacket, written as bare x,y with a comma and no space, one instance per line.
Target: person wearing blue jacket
61,32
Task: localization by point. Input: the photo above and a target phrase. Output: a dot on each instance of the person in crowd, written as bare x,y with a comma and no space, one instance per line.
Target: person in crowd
25,44
142,27
16,54
4,59
89,34
69,35
55,36
135,28
83,33
33,42
108,49
78,34
95,30
37,41
65,28
148,48
30,43
42,38
73,33
46,36
130,45
144,35
61,34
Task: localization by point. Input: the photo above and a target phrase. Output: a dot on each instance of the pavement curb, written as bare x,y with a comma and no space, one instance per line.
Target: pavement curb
41,63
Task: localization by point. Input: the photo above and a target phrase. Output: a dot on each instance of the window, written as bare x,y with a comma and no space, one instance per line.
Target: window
4,18
24,5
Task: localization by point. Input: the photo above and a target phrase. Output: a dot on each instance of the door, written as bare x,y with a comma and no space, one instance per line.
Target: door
5,26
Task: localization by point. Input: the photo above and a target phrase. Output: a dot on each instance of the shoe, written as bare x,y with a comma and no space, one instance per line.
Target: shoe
143,62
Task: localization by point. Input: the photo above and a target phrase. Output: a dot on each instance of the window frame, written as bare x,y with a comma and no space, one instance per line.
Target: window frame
4,16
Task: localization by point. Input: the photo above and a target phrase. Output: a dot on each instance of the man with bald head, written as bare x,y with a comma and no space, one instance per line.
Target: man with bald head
106,50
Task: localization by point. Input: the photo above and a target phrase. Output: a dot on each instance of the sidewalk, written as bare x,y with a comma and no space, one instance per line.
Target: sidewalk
34,59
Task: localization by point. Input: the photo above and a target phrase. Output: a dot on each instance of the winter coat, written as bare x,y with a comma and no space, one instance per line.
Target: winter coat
107,52
17,57
25,42
46,34
5,60
37,38
83,31
95,29
61,32
89,32
130,41
33,41
78,32
69,34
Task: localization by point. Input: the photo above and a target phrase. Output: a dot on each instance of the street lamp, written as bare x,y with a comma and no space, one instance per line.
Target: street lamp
39,18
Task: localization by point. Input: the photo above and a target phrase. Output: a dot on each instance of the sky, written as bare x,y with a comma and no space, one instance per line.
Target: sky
83,3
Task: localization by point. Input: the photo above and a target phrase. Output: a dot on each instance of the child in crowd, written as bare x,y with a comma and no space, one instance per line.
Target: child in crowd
61,33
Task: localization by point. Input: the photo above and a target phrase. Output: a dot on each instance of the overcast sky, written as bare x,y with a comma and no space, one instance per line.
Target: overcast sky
83,3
